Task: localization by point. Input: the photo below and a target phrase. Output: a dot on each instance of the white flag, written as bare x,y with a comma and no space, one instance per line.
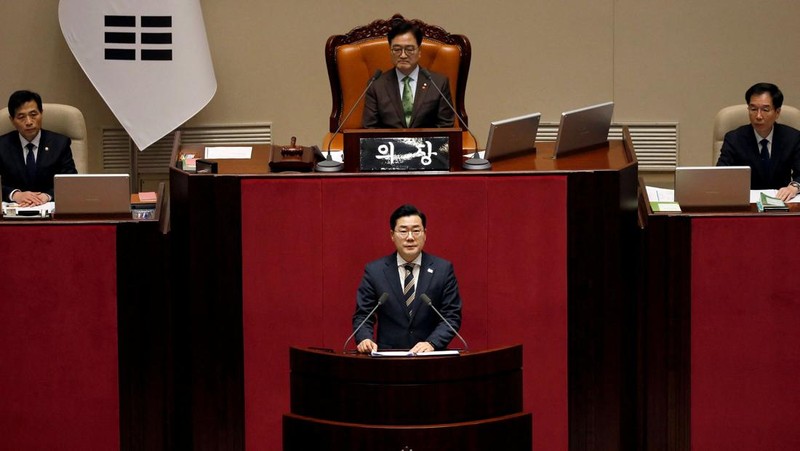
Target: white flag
148,59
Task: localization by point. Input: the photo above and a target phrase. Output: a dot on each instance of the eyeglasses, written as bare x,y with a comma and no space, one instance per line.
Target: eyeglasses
410,50
416,233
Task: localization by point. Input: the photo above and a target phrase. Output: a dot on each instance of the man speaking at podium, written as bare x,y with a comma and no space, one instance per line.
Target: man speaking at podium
401,279
403,97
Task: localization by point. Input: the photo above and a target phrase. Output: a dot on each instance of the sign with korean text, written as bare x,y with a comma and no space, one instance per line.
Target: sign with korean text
386,153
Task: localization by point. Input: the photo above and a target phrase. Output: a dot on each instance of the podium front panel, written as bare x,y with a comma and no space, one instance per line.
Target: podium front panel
406,390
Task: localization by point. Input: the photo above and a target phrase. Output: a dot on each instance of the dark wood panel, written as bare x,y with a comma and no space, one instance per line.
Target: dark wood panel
145,348
206,217
601,309
468,387
510,433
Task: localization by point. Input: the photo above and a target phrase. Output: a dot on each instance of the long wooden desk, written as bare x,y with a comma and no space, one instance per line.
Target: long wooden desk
720,335
542,249
83,335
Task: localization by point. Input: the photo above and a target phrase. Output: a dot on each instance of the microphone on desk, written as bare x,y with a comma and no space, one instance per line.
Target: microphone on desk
428,301
328,165
475,163
381,300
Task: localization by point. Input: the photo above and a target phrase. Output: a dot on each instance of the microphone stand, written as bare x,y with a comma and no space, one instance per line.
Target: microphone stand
475,163
381,300
328,165
425,298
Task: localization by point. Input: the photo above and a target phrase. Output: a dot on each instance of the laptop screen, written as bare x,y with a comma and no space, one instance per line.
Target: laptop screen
582,128
712,186
92,194
512,136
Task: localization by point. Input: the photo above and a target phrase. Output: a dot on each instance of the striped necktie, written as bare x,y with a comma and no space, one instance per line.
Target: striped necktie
408,286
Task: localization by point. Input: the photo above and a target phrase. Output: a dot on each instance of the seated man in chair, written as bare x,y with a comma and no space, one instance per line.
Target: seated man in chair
403,96
31,156
771,150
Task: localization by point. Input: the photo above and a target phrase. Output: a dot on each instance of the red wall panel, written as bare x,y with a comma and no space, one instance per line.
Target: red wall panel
745,333
305,244
58,338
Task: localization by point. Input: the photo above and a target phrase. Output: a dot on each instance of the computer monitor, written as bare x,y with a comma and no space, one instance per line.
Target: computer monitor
583,128
512,136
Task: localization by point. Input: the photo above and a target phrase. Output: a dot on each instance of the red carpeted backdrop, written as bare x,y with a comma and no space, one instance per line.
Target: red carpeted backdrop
745,333
58,338
305,244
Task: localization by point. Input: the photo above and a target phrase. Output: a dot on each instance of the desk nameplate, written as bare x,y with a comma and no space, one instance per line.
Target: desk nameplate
425,149
398,153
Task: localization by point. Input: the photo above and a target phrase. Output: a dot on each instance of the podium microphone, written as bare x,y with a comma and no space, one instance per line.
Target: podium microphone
428,301
476,163
381,300
328,165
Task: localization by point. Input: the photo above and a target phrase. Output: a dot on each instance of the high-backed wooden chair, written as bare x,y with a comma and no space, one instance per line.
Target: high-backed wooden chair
354,57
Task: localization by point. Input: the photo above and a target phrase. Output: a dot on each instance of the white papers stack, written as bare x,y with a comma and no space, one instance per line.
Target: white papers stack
410,354
12,210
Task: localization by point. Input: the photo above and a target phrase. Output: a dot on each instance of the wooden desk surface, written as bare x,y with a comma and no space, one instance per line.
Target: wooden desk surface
752,210
613,156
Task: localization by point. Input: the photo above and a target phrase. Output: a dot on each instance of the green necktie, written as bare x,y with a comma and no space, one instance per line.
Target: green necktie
408,100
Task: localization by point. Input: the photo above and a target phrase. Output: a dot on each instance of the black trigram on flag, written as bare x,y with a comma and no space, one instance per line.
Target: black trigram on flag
120,38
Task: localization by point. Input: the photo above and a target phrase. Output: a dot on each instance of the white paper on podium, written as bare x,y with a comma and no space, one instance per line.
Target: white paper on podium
233,153
410,354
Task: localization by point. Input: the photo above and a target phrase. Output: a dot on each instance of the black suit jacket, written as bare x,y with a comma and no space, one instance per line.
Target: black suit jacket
383,106
54,157
396,329
740,148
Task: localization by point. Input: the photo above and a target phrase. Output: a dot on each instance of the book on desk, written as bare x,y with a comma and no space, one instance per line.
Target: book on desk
769,203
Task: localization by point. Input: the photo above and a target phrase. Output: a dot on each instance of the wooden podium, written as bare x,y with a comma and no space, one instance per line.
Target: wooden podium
353,402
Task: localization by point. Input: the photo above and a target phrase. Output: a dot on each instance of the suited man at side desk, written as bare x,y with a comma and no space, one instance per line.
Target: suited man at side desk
404,320
30,156
403,96
771,150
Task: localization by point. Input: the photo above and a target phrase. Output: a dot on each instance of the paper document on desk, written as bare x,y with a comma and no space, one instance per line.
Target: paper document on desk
661,207
410,354
229,153
336,155
660,194
755,195
13,210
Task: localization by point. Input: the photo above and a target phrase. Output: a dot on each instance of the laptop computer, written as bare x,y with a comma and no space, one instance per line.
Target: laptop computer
94,194
512,136
713,186
583,128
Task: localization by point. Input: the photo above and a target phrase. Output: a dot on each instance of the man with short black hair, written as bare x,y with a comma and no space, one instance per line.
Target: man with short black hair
771,150
404,320
402,97
31,156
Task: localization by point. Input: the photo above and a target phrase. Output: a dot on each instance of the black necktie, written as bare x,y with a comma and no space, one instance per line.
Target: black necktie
764,154
30,162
